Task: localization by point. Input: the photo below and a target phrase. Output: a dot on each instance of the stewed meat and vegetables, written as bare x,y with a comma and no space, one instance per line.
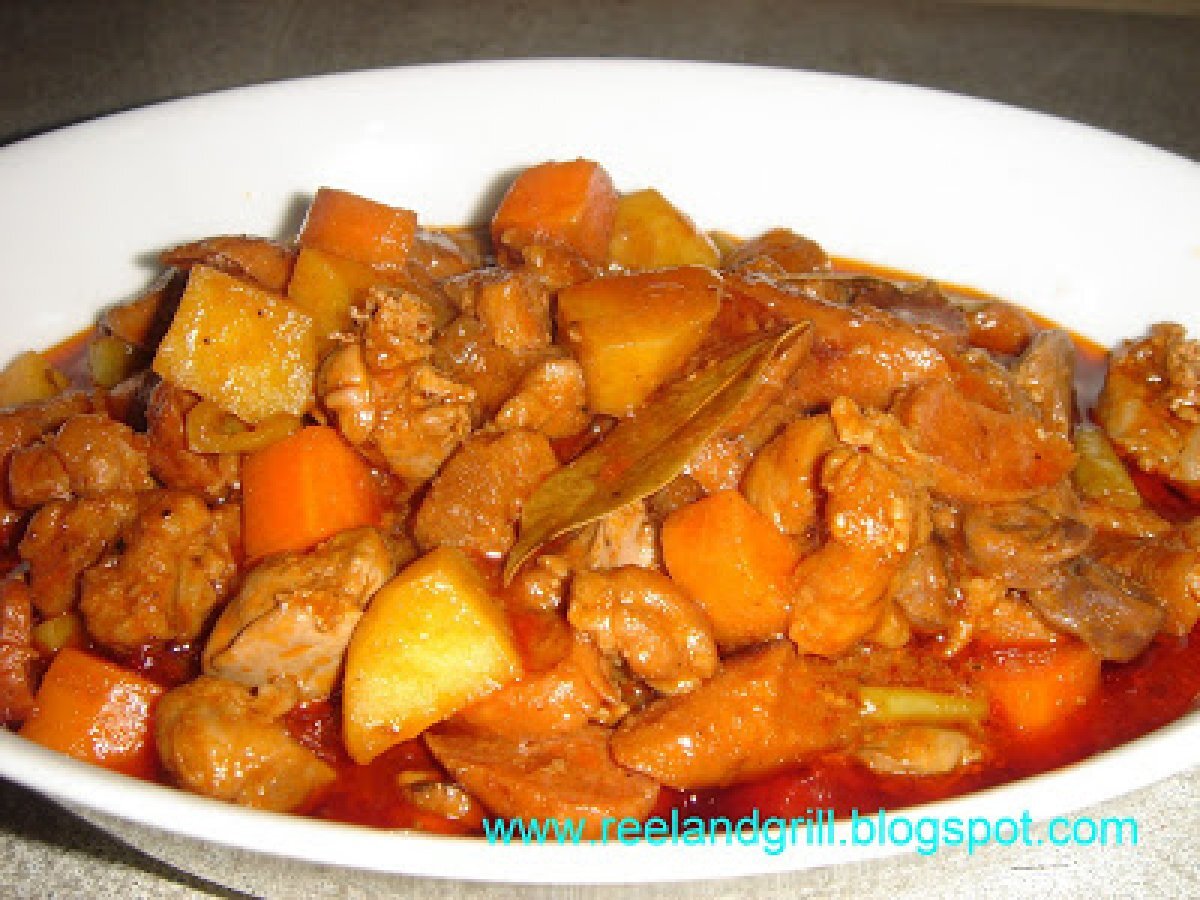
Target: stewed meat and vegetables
595,514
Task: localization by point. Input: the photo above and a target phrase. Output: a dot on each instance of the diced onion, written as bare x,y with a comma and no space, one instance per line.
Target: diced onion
212,430
1099,474
28,379
112,360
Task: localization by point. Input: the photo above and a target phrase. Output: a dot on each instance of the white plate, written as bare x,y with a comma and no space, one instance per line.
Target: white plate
1097,231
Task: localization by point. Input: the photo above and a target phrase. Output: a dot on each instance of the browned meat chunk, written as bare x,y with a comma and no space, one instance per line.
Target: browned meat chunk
264,262
1108,611
860,352
550,399
659,631
90,455
874,516
782,483
1167,567
624,537
975,453
764,710
1150,404
563,689
513,307
64,538
223,740
778,252
476,499
1020,542
1047,374
169,569
293,616
559,777
16,654
171,460
386,397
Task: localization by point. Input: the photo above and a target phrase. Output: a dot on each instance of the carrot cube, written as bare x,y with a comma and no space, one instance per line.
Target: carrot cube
1033,689
734,562
571,205
96,711
359,229
304,489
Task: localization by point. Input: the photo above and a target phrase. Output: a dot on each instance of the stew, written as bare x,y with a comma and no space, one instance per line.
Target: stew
595,514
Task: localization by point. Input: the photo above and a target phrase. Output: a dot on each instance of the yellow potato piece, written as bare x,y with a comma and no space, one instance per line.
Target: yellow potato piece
249,351
433,640
631,333
650,233
327,286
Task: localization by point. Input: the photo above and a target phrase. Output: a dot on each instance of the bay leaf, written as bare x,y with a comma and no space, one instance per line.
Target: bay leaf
643,453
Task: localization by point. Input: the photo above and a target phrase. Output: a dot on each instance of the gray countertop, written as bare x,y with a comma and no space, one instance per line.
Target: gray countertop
1128,72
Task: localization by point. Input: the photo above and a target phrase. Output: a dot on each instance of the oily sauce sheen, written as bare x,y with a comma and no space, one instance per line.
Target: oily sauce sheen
1135,698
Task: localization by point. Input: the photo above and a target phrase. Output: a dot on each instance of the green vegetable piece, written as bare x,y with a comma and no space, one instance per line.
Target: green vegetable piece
896,705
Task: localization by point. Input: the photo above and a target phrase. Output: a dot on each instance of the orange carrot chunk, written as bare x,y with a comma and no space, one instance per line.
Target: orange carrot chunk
96,711
734,562
1033,689
570,205
359,229
303,489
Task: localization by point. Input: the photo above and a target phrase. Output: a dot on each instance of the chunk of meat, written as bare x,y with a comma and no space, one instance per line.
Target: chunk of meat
266,263
169,569
1000,327
992,615
397,326
64,538
550,399
386,397
778,252
874,516
90,455
764,710
661,633
476,499
1150,405
1047,374
512,306
624,537
921,588
974,453
1021,542
409,418
1110,612
782,483
215,475
860,352
1167,566
577,685
224,740
294,613
567,776
918,750
16,653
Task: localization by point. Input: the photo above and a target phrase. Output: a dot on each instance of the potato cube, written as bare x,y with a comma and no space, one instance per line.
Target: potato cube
650,233
249,351
633,332
326,287
433,640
